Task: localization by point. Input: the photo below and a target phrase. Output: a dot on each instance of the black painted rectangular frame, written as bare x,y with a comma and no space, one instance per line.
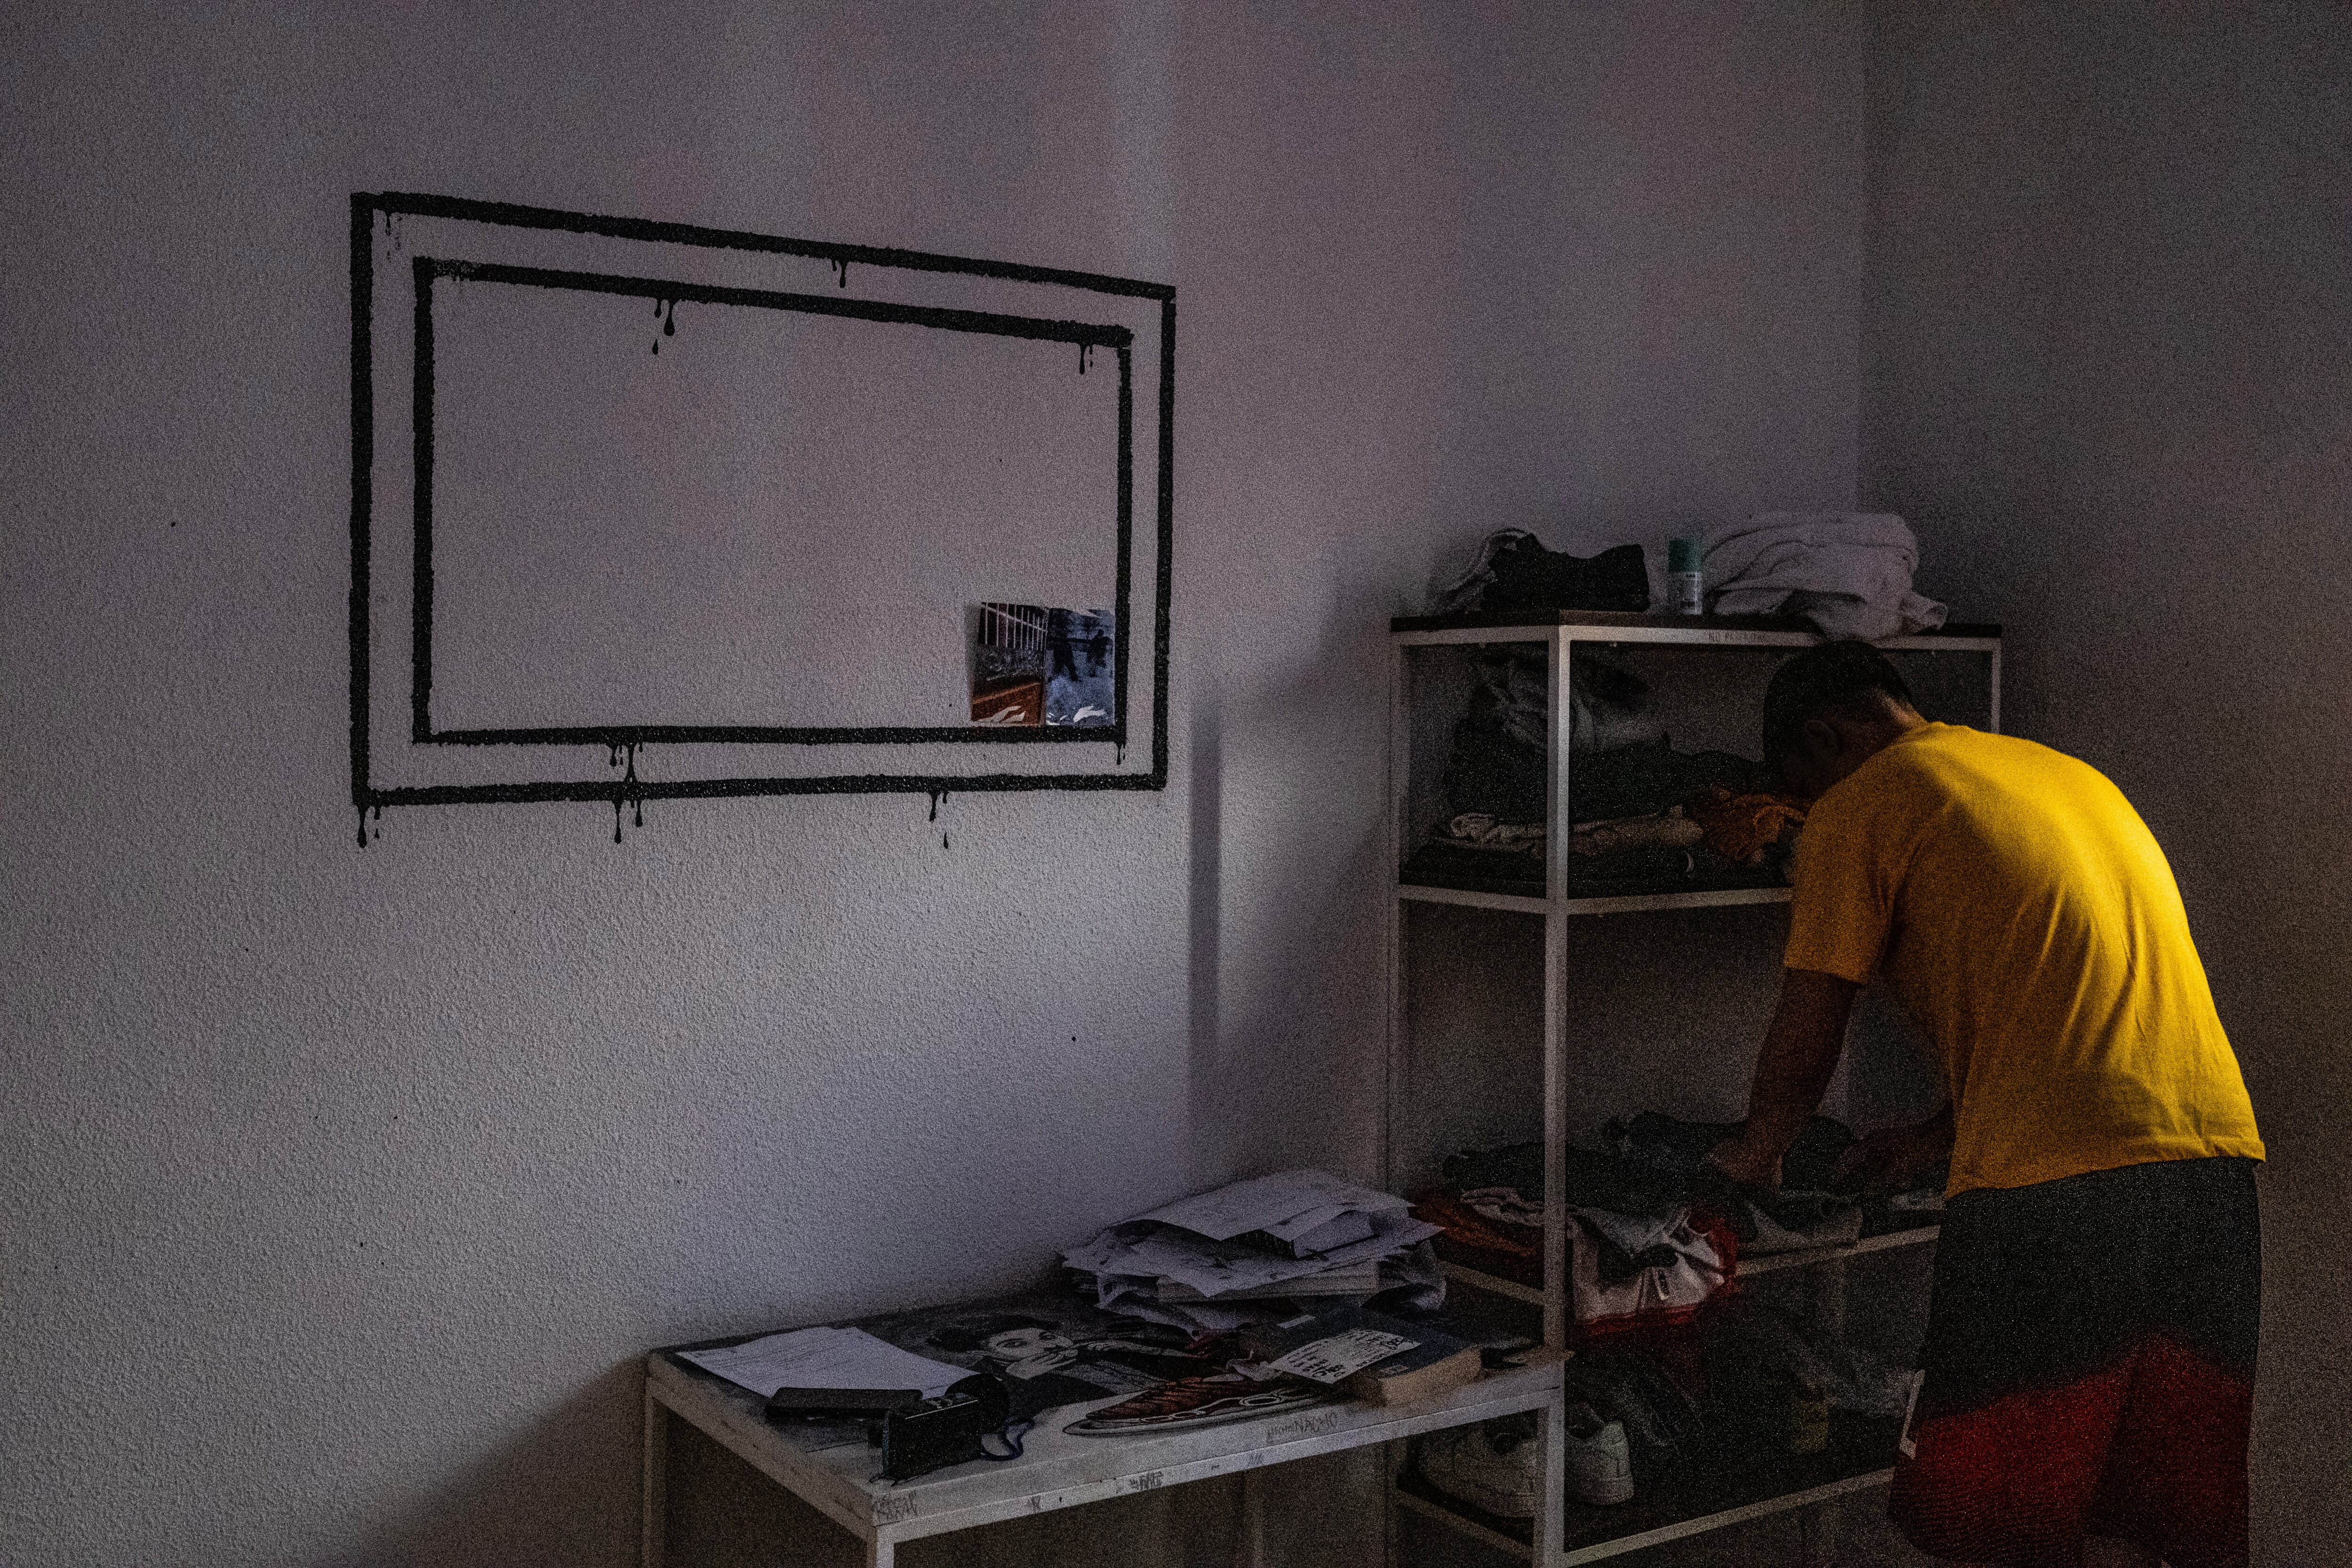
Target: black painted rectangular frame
364,210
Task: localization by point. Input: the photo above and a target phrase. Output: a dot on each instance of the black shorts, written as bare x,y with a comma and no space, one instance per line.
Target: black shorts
2089,1369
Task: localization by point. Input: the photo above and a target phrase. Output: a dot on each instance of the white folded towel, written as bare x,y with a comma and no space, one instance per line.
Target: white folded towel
1849,573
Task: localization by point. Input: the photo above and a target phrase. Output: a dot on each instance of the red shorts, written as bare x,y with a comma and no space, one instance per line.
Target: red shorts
2089,1370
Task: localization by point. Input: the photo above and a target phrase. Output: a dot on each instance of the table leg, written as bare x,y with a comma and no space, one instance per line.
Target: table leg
1393,1460
880,1553
1551,1487
656,1523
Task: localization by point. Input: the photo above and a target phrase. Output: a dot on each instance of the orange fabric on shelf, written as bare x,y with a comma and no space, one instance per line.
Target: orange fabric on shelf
1741,827
1513,1252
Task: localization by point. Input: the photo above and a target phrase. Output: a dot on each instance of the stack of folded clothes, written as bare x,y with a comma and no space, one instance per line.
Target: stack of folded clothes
1647,817
1656,1231
1641,1255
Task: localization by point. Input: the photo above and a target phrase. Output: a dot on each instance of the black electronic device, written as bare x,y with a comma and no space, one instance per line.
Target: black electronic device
839,1404
948,1430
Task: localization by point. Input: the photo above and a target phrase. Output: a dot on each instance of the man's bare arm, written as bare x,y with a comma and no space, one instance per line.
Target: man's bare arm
1792,1072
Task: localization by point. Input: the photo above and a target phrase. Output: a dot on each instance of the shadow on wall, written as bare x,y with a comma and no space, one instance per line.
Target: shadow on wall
1287,925
546,1498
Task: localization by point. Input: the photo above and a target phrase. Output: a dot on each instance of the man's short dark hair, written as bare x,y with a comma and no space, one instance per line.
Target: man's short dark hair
1820,678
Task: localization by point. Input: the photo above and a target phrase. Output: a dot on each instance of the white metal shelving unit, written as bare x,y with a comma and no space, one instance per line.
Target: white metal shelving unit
1563,634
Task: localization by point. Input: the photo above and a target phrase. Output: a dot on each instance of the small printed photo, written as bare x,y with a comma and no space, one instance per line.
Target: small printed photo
1033,665
1079,689
1008,664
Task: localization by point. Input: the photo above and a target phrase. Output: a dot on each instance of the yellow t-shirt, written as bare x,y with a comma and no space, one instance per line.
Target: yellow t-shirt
2022,914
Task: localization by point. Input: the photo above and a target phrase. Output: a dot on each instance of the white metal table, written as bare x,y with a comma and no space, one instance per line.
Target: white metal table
1059,1469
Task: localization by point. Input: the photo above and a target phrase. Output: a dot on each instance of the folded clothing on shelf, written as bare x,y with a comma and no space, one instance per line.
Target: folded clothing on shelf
1640,869
1513,571
1812,1208
1804,1213
1608,707
1646,814
1748,829
1635,780
1628,1273
1595,1178
1490,1206
1849,573
1668,829
1509,1249
1655,1265
1477,830
1490,772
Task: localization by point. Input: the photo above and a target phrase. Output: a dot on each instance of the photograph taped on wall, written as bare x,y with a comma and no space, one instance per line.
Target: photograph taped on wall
1034,664
645,510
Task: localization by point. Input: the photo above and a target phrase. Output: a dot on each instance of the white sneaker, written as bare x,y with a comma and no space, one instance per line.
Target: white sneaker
1491,1466
1600,1463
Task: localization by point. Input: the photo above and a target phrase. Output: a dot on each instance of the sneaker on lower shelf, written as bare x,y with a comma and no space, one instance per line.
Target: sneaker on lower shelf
1491,1466
1599,1462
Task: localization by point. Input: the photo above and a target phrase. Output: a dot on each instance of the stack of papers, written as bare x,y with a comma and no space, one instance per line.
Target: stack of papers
1203,1262
825,1358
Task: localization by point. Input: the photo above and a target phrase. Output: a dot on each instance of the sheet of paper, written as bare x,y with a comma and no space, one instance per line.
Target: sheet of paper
1268,1201
1213,1267
1218,1267
1306,1220
1140,1298
825,1358
1096,1257
1400,1231
1329,1359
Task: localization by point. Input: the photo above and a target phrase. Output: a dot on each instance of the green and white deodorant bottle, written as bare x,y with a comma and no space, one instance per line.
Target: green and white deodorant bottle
1686,592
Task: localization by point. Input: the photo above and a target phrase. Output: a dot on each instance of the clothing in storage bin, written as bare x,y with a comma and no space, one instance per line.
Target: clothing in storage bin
2089,1367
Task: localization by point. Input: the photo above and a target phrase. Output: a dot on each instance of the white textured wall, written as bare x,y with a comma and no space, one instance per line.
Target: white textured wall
2110,377
340,1190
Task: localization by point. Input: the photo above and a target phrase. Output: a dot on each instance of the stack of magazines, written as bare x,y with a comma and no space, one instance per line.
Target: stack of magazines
1243,1252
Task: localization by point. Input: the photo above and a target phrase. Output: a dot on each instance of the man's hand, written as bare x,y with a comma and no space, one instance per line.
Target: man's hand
1800,1053
1895,1159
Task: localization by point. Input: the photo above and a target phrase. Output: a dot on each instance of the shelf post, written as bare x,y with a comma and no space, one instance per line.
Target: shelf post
1555,1314
653,1529
1551,1485
1400,783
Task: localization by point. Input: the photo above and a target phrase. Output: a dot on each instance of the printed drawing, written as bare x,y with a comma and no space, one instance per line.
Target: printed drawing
808,447
1053,1349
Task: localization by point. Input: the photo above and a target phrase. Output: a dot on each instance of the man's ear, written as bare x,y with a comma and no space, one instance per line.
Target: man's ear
1823,738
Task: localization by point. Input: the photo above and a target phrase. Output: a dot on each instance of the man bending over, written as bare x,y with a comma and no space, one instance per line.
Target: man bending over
2089,1359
